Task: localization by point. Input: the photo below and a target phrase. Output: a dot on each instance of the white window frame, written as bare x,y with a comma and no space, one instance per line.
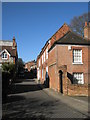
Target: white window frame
38,71
39,62
47,53
42,59
46,68
76,78
44,56
4,56
77,59
42,73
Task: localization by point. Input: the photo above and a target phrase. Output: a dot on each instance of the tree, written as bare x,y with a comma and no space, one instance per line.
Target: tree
77,23
8,67
20,65
8,72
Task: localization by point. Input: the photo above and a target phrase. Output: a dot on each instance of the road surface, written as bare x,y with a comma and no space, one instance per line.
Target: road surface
28,100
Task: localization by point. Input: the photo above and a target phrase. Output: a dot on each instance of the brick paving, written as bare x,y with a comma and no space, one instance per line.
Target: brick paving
28,100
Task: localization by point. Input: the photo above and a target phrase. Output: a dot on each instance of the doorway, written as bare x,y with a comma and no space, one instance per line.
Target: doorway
61,80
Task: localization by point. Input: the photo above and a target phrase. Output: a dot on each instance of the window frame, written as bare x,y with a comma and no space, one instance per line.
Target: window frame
44,56
42,59
77,57
47,53
78,80
42,73
4,55
39,62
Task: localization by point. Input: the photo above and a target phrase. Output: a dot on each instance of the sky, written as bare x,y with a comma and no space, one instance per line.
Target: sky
33,23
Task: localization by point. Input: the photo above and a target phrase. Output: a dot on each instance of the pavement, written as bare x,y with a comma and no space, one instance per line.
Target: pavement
80,103
32,100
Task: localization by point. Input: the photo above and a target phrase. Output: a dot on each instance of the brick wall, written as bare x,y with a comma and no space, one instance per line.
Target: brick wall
44,65
61,56
60,33
87,30
65,57
75,90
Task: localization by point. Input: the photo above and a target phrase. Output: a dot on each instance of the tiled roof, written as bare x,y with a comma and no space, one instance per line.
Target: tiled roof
71,38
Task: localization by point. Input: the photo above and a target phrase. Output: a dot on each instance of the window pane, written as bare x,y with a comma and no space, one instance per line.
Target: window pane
77,54
78,78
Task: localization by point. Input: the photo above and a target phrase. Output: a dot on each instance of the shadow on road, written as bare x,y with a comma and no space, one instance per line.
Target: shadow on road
33,108
20,88
29,80
14,98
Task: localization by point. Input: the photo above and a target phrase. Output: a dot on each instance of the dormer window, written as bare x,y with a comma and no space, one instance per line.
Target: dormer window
4,55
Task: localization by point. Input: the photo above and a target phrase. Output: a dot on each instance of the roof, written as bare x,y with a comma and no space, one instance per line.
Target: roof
32,62
72,38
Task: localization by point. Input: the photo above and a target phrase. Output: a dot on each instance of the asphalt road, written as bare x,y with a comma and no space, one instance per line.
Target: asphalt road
28,100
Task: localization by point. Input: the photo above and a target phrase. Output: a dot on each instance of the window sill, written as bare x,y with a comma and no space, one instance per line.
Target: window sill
78,84
77,63
4,58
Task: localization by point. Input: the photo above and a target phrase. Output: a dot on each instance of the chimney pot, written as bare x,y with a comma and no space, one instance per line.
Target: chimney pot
85,24
13,37
87,30
14,43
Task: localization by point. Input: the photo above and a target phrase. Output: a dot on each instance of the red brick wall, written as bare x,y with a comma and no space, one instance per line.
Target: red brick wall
87,32
89,64
65,57
60,33
44,65
75,90
62,56
53,69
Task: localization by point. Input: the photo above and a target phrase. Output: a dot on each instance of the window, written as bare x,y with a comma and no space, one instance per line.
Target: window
42,59
38,74
47,53
44,56
4,55
46,72
78,78
47,69
77,56
42,73
39,63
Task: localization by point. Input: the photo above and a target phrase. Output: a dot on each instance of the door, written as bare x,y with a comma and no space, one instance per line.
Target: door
61,81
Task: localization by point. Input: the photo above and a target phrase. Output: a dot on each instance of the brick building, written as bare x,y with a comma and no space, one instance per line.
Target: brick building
8,51
68,61
30,65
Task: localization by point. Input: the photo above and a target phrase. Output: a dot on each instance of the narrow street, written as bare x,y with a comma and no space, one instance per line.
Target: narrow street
28,100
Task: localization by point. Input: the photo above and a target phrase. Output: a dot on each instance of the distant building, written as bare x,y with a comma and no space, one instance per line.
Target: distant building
65,60
8,51
30,65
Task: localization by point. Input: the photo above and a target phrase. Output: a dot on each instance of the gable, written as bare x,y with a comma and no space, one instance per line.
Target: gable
5,51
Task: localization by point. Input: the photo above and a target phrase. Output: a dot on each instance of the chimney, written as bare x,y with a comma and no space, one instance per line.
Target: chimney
87,30
14,43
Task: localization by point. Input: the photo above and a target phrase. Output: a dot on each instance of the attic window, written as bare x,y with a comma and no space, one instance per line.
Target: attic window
4,55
